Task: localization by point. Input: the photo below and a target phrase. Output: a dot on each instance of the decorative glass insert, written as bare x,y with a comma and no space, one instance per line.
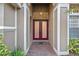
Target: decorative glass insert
44,29
37,29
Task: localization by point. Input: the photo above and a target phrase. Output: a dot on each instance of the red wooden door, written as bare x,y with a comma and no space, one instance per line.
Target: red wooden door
40,30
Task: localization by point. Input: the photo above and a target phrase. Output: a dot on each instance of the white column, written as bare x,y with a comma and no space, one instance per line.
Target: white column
58,28
25,26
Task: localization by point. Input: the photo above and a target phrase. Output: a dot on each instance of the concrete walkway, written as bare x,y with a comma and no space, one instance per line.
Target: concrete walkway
41,49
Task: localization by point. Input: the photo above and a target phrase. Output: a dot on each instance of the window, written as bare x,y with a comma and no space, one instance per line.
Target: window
74,26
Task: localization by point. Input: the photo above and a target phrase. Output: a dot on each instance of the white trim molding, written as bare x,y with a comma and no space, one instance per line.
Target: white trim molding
55,50
40,41
64,53
7,27
16,28
68,28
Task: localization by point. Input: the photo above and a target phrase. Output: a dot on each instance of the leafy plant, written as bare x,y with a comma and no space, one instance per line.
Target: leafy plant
17,53
74,46
5,52
3,48
72,10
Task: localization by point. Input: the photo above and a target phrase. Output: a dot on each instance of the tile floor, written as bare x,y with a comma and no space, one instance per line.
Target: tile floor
41,49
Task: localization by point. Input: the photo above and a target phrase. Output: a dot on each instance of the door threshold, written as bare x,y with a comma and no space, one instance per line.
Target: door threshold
40,41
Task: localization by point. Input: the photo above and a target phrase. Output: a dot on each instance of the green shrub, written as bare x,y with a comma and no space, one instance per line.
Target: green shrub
3,48
74,46
5,52
17,53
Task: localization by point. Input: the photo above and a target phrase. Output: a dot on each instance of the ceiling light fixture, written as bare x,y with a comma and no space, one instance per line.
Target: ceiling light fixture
41,13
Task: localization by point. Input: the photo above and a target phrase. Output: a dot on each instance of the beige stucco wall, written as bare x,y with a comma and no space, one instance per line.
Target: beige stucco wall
29,28
9,39
51,25
1,14
9,18
20,28
63,29
9,15
31,24
1,31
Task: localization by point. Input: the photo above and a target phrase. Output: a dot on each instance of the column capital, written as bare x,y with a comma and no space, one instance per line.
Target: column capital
26,5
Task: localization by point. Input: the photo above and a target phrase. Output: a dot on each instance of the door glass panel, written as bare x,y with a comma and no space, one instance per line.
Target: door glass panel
44,29
36,29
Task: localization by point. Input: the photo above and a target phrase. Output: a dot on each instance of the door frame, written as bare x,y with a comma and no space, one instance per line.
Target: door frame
34,29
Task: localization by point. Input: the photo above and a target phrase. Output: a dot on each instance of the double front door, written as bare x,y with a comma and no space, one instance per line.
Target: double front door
40,30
